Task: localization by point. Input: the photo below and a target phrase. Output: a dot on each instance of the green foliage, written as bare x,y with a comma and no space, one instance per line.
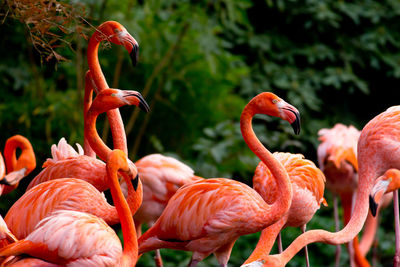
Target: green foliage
199,64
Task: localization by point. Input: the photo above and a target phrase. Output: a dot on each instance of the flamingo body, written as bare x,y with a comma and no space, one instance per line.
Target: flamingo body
67,162
161,177
208,216
308,184
60,194
73,238
205,216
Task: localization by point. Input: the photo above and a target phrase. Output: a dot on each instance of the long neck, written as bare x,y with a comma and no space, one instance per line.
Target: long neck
366,175
369,233
267,240
87,102
114,116
10,155
130,253
96,143
284,187
2,167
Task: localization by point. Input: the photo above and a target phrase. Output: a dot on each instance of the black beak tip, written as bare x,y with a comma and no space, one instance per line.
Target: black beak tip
135,182
296,126
373,206
4,182
134,54
144,106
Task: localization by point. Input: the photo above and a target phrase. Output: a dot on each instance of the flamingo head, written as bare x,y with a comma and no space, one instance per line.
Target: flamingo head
25,163
388,182
270,104
117,34
114,98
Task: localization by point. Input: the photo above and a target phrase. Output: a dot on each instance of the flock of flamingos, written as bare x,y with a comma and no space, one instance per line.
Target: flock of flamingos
63,218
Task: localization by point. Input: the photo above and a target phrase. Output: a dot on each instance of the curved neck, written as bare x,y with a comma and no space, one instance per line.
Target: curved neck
2,167
349,231
114,116
10,153
94,64
130,253
87,102
267,240
284,186
95,142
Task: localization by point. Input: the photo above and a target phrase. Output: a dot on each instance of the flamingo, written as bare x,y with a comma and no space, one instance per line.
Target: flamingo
45,197
377,151
161,177
67,162
208,216
388,182
116,33
16,168
308,184
337,157
73,238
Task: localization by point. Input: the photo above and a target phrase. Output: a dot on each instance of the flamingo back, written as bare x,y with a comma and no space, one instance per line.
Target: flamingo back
308,183
381,140
337,145
210,207
85,239
161,177
63,151
68,193
82,167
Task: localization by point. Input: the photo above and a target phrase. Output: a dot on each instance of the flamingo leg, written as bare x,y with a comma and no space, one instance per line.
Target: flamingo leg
280,249
193,263
303,229
337,228
396,261
158,259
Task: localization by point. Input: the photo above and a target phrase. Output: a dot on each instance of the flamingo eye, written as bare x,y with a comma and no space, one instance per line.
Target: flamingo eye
275,101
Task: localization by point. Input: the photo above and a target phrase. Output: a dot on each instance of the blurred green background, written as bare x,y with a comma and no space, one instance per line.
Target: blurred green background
200,62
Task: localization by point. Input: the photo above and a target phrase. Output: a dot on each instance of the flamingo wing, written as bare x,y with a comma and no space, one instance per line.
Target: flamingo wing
72,237
67,193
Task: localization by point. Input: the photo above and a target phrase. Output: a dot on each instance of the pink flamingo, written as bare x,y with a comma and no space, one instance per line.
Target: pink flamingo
161,177
45,197
378,147
66,162
308,184
208,216
72,238
337,157
16,168
116,33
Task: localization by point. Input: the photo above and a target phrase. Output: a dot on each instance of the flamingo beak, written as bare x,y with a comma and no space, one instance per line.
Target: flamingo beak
134,54
373,206
13,177
290,114
142,103
296,123
377,192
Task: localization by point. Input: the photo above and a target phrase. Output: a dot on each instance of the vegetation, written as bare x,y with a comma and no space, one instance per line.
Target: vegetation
200,62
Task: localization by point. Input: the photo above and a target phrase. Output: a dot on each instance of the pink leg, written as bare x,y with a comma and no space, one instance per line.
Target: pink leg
157,258
396,261
337,228
280,243
303,229
193,263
